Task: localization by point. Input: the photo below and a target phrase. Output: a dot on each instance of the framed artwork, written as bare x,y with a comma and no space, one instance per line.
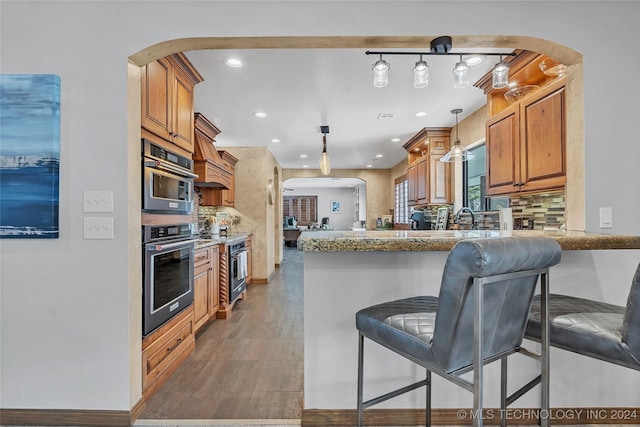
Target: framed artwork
29,155
387,219
336,206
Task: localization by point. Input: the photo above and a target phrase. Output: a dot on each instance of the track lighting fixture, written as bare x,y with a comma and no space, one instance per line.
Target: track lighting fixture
325,165
457,152
440,46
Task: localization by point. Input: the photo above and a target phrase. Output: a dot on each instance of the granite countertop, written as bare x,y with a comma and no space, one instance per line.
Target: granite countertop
432,240
229,240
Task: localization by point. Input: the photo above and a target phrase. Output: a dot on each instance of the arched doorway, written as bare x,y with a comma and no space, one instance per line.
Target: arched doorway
159,50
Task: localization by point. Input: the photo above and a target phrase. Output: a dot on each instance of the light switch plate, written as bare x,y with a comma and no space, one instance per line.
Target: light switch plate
97,201
98,228
606,217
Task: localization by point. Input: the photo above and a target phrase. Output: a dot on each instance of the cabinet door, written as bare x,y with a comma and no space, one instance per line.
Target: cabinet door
201,297
439,180
157,82
543,154
503,152
182,129
411,185
422,178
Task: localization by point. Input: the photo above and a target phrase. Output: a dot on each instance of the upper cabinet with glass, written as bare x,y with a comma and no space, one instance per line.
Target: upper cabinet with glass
526,129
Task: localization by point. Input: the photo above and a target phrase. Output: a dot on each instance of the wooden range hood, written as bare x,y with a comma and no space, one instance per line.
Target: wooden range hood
208,163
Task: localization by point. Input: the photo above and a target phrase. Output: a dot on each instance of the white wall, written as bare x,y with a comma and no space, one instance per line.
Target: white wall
66,305
337,221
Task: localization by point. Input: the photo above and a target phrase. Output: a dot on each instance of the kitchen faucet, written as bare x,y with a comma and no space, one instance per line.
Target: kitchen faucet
468,210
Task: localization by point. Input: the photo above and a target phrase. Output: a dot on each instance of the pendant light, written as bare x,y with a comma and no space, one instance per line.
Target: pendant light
325,165
380,72
457,152
461,74
501,75
420,74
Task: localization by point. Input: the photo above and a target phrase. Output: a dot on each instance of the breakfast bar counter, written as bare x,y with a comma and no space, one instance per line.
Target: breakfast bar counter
345,271
432,240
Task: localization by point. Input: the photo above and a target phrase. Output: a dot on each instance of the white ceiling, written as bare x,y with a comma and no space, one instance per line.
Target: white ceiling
302,89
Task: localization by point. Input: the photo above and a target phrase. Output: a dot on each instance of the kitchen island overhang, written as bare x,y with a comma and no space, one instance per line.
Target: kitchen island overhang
346,271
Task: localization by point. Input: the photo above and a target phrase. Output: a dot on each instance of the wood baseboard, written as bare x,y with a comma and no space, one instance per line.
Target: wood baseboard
462,416
64,417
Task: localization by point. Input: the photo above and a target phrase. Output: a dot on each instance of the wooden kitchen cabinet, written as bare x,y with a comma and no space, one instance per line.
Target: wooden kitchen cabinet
165,349
206,289
220,197
428,178
526,146
167,99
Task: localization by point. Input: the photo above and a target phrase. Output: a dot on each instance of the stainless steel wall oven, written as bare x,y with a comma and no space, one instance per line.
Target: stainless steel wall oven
167,180
167,272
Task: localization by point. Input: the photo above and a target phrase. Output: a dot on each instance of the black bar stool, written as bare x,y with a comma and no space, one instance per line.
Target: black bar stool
479,316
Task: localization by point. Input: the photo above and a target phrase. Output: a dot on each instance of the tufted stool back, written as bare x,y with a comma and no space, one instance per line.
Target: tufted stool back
631,324
506,303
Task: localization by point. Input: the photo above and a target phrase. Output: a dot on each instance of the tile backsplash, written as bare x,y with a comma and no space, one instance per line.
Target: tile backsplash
532,211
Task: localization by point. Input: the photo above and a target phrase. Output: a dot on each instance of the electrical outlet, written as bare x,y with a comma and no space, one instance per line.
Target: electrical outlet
606,217
98,228
97,201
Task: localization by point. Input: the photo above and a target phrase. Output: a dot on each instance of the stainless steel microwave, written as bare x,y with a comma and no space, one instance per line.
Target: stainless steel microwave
167,180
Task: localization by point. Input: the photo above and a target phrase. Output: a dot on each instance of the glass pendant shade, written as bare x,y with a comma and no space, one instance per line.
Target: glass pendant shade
461,75
420,74
325,164
501,75
380,73
457,152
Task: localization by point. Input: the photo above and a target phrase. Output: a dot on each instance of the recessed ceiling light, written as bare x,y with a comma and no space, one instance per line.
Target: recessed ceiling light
275,140
379,156
369,166
304,156
260,114
472,60
234,62
305,166
421,114
395,140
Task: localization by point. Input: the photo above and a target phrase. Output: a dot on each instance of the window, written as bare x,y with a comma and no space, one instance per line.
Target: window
303,208
401,207
473,184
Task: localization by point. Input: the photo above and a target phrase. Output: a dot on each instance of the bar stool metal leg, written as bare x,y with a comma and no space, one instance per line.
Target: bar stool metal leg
428,413
545,414
360,372
503,392
477,353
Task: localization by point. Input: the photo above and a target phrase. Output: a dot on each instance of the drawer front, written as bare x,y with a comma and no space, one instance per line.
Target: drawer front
159,355
201,257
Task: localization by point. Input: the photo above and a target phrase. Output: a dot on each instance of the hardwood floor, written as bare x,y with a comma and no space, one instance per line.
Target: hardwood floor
247,367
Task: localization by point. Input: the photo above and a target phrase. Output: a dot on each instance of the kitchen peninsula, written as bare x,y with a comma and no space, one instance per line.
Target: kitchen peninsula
347,271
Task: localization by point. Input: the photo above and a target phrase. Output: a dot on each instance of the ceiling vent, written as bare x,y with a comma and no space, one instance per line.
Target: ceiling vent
384,116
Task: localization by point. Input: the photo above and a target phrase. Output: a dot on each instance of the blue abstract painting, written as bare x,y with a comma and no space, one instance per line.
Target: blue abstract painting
29,155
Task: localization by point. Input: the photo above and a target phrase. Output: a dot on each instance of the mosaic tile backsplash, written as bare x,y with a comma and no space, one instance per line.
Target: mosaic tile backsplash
533,211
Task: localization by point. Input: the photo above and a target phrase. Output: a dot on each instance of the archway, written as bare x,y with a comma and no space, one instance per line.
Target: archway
575,186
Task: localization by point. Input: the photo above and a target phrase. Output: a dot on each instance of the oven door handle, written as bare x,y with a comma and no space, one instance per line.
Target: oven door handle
157,164
235,254
161,246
